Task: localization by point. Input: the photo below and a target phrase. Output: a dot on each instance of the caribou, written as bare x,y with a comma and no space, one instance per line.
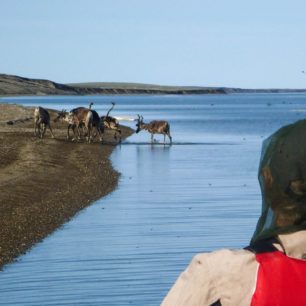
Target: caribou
154,127
82,117
97,123
41,122
68,118
112,123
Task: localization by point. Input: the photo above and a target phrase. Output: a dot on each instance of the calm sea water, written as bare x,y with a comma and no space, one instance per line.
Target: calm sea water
198,195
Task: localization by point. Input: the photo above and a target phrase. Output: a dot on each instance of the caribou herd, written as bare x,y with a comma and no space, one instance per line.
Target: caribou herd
86,123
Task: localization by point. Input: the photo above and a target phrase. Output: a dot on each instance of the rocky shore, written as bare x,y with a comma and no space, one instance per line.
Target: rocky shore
45,182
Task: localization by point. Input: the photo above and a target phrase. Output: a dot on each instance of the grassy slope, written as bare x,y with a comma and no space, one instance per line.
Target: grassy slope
123,85
11,85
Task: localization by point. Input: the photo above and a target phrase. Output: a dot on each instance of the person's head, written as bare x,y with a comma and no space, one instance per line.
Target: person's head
282,177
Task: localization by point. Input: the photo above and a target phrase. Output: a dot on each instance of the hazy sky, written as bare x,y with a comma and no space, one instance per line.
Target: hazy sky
241,43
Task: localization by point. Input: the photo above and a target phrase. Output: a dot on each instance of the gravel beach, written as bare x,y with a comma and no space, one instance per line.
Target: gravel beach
45,182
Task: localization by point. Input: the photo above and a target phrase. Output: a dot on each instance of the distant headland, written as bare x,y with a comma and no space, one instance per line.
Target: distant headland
12,85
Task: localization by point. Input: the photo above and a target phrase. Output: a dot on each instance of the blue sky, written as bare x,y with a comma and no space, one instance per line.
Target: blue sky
249,44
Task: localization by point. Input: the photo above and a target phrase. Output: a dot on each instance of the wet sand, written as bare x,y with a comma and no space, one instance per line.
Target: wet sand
45,182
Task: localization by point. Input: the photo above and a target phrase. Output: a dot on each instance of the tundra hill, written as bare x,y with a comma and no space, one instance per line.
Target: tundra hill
137,86
11,85
182,89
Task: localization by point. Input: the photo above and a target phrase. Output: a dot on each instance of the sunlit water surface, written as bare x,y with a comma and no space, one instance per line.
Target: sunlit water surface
199,194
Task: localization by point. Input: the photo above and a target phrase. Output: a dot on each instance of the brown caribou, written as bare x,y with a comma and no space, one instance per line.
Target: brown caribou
97,123
82,117
112,123
41,122
68,118
154,127
76,122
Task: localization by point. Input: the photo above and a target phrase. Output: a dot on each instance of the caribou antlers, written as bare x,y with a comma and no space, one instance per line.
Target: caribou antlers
111,122
112,107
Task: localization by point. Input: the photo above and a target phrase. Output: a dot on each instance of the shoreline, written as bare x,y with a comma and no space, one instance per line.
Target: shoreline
13,85
46,182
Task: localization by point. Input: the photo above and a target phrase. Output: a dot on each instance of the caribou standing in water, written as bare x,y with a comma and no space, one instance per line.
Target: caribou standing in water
112,123
41,122
154,127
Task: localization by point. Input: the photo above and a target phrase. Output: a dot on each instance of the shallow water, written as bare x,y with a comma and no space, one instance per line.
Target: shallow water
199,194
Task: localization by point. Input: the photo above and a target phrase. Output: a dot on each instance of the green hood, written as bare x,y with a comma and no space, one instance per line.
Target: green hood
282,178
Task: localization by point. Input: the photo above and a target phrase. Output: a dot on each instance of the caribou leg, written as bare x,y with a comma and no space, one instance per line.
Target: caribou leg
40,127
79,133
98,131
71,126
35,127
43,130
68,129
51,130
170,138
